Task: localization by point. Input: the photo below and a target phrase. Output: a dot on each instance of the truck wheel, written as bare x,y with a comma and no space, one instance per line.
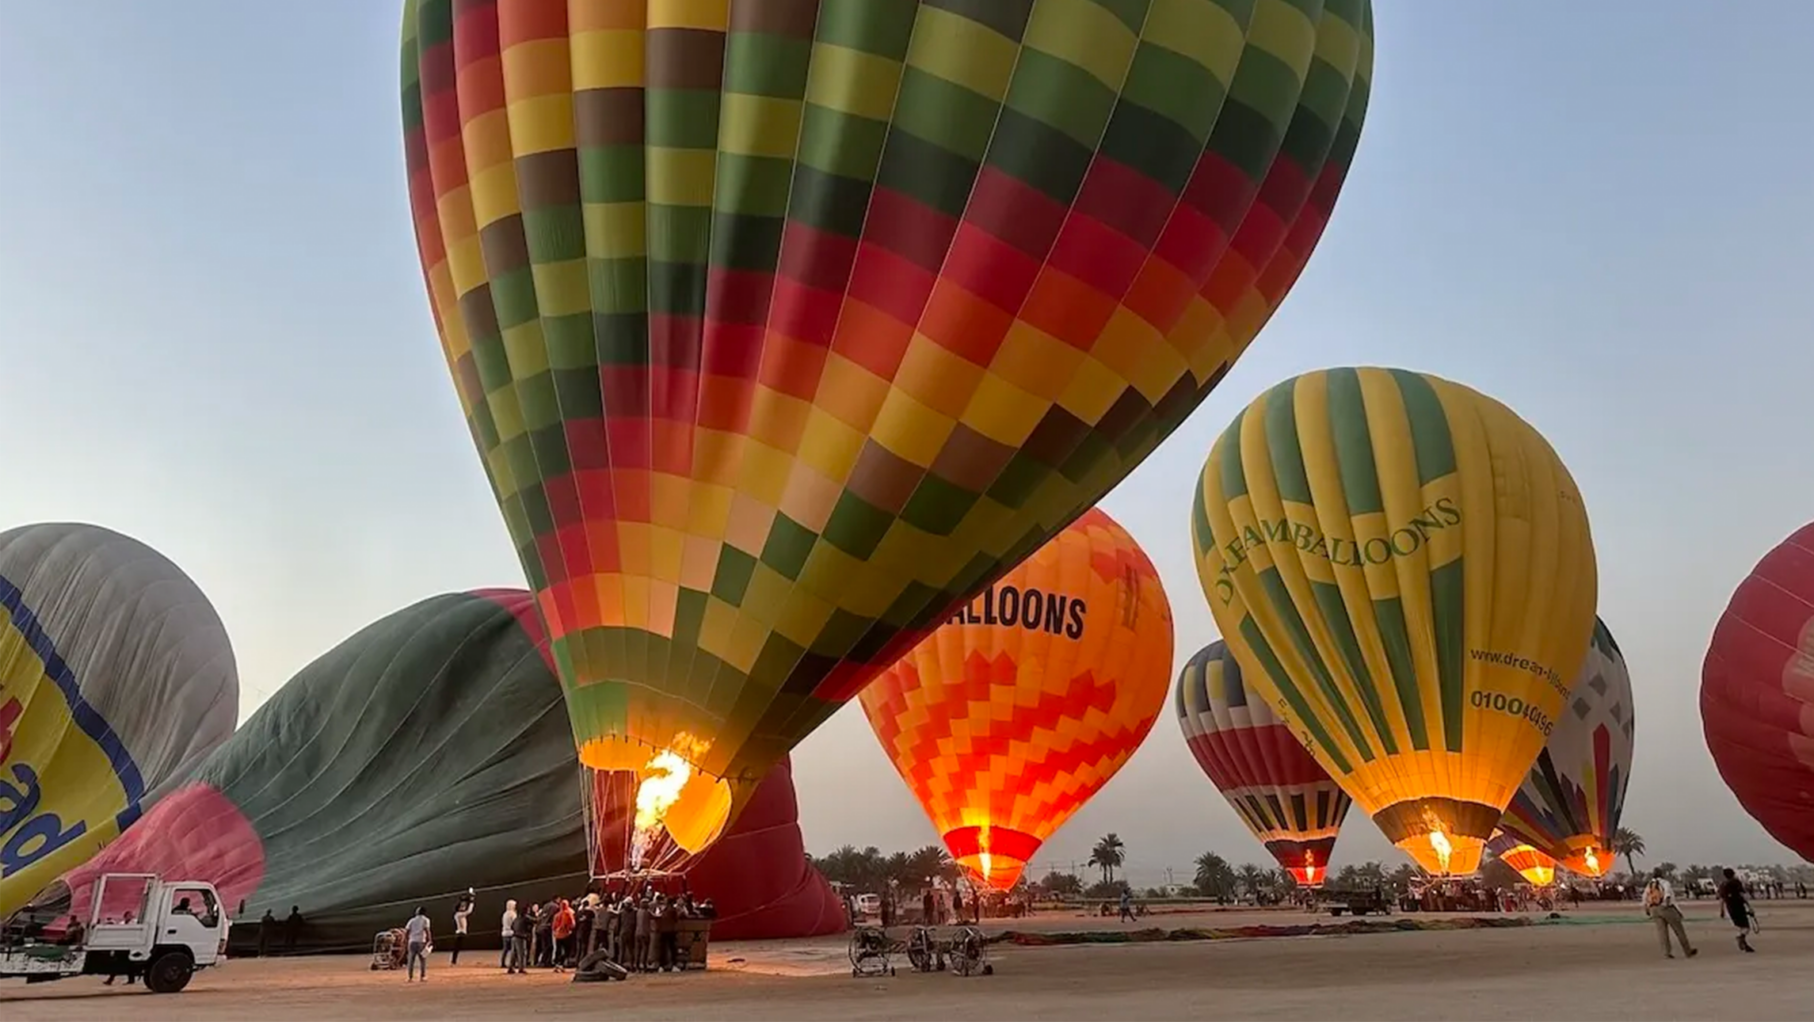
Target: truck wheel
169,973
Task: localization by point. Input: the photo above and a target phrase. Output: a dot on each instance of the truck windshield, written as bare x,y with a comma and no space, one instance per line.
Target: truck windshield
198,902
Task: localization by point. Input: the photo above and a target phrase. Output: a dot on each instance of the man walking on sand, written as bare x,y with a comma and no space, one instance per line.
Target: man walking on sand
415,940
1659,905
1737,908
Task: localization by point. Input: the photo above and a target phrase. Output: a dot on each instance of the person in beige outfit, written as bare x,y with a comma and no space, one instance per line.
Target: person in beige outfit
1659,905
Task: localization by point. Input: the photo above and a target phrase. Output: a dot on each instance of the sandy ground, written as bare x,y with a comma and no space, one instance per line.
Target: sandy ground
1605,964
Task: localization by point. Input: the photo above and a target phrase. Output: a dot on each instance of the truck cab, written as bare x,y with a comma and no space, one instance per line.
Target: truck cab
136,925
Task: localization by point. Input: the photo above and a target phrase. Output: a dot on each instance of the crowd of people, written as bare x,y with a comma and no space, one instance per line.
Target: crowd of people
638,928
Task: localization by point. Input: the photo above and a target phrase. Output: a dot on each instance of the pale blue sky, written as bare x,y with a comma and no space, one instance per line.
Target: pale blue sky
1601,212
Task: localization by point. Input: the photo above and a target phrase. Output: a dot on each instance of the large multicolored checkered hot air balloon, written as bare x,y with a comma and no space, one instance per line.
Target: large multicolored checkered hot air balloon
1404,569
116,676
1008,718
1274,784
1757,693
1570,803
785,326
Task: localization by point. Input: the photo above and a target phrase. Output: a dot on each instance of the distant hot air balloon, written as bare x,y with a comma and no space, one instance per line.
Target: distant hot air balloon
423,755
1570,803
1537,868
115,676
785,327
1009,717
1276,786
1757,693
1404,569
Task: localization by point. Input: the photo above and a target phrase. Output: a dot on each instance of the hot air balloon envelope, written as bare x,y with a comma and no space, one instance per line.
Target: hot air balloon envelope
1570,803
783,328
115,677
1536,867
1403,568
1757,693
1023,705
1274,784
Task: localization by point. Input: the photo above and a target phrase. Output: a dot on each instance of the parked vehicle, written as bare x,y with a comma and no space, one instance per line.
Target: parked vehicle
138,926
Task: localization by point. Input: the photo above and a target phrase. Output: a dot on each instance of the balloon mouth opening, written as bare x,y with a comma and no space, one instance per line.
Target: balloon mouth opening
1538,876
1308,874
993,870
1588,862
1537,868
653,808
1444,836
1440,853
993,857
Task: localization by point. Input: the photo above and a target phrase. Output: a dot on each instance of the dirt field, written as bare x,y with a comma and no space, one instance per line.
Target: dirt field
1605,964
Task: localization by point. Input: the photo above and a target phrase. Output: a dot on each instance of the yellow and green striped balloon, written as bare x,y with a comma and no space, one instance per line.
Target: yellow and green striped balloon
1403,567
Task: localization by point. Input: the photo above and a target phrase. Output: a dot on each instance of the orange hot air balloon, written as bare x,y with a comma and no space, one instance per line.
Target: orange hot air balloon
1009,717
1537,868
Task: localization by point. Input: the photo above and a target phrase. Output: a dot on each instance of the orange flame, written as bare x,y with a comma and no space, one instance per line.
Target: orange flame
666,776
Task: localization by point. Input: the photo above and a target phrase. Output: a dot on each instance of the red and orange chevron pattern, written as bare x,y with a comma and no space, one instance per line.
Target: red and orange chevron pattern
1023,705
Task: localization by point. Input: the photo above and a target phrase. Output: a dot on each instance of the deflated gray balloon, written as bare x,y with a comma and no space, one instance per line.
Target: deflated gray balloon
116,677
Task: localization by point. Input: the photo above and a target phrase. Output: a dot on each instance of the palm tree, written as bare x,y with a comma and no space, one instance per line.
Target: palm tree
1630,844
1108,855
1214,876
927,863
1251,877
843,865
1400,878
899,868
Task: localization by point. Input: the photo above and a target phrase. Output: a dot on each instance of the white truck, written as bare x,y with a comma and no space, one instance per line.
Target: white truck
138,926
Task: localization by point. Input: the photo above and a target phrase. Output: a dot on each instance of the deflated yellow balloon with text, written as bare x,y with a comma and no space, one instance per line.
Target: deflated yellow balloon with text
61,798
1403,568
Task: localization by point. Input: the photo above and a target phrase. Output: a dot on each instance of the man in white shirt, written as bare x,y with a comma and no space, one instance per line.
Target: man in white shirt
1659,905
416,937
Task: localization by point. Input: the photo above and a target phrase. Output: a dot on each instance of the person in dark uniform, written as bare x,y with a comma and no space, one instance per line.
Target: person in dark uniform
292,930
462,912
1738,908
267,928
668,943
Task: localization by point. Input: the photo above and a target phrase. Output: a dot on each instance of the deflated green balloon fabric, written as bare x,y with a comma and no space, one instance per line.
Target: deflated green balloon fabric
426,754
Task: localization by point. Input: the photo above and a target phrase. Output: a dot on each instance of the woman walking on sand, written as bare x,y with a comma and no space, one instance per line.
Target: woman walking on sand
1738,908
